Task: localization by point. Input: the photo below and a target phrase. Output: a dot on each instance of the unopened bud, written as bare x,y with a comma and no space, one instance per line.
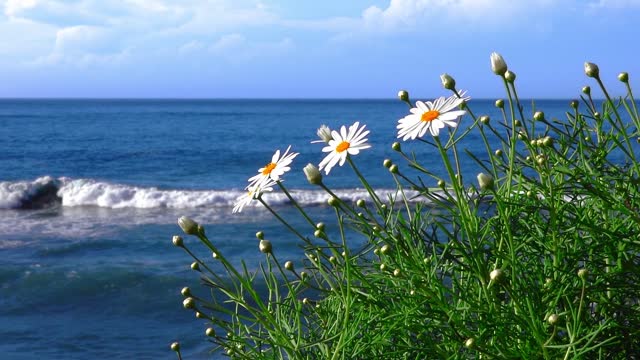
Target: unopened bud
393,169
510,76
175,346
485,181
547,141
200,315
195,266
396,146
538,116
448,82
265,246
288,265
500,104
403,95
582,273
387,163
313,174
496,275
210,332
574,104
189,303
260,235
177,241
385,249
383,267
553,319
396,272
498,65
333,201
469,343
185,291
498,152
586,90
187,225
360,203
441,183
484,119
591,70
324,133
624,77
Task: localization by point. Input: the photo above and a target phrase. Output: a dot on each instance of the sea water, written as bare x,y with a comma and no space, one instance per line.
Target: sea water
90,191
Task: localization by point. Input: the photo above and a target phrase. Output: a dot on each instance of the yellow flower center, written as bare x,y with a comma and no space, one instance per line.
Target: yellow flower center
268,169
430,115
342,146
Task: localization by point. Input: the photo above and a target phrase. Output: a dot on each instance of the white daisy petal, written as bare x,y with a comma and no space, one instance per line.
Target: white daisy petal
348,142
275,169
431,116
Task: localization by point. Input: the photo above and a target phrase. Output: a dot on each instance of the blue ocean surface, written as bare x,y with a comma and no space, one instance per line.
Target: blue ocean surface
90,191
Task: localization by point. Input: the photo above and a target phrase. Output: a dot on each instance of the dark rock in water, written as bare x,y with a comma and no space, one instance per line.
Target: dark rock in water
43,197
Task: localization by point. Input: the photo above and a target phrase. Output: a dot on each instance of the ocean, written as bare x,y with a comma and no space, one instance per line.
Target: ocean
90,192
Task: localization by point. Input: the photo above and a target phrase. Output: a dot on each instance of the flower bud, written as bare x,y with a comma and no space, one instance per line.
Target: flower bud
448,82
333,201
393,169
200,315
376,251
403,95
195,266
582,273
387,163
547,141
396,146
441,183
396,272
288,265
324,133
538,116
484,119
385,249
500,104
186,291
320,226
200,229
485,181
305,301
332,259
189,303
210,332
469,343
260,235
214,255
498,152
496,275
510,76
624,77
187,225
574,104
177,241
498,65
265,246
175,346
383,267
586,90
303,275
553,319
536,142
313,174
360,203
591,70
318,233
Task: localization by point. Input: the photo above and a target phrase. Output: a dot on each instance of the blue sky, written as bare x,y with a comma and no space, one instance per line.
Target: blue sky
304,48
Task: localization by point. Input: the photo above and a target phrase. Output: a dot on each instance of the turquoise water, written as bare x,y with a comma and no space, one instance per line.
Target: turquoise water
90,191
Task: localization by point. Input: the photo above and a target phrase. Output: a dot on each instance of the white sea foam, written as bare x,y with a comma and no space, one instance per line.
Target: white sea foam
90,192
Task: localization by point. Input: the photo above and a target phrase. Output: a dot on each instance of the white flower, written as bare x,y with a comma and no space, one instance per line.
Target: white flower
324,133
498,65
343,144
275,169
253,192
431,116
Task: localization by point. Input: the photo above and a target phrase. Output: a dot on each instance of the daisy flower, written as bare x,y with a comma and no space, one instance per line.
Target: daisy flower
275,169
254,192
342,144
431,116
